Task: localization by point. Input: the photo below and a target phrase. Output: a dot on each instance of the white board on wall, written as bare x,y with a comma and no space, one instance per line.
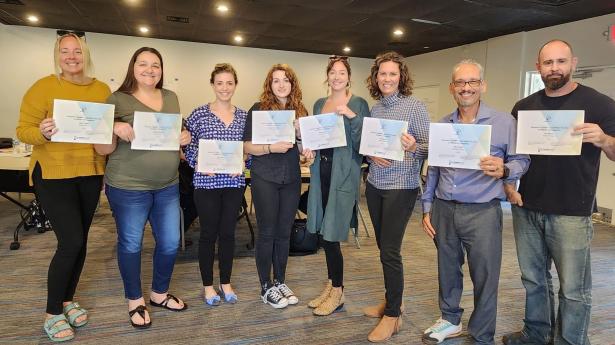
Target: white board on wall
430,95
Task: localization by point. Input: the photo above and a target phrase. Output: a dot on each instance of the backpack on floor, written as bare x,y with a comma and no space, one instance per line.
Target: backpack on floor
302,242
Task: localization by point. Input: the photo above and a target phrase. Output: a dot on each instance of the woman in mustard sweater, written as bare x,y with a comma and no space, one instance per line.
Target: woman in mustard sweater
67,177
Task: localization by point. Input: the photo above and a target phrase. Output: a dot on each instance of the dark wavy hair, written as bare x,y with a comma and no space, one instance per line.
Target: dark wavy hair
405,82
129,85
270,102
344,60
223,68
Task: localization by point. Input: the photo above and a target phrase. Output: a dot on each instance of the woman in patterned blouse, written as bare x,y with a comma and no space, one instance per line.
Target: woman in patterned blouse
217,196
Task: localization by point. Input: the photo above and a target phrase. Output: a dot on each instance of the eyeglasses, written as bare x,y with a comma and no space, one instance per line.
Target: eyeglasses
338,57
462,83
68,32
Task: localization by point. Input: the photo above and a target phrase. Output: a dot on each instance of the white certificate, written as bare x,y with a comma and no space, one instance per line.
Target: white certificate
322,131
156,131
270,127
549,132
382,138
83,122
457,145
220,157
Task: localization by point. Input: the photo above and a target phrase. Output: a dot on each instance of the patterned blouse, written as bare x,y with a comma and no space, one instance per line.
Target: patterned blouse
204,124
402,174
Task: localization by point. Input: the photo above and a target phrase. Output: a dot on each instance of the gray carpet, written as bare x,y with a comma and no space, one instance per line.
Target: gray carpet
250,321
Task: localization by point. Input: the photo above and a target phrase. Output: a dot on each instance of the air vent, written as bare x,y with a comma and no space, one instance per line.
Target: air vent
183,20
11,2
554,3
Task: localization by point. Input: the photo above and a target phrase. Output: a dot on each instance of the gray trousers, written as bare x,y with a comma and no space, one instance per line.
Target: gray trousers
475,229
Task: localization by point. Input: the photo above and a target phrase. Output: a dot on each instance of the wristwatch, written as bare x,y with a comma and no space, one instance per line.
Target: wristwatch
506,172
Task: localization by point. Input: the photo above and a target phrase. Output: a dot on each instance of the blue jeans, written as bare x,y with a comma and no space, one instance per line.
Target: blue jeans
565,240
131,209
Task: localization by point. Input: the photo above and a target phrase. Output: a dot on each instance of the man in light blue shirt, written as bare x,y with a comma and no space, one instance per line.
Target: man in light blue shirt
462,212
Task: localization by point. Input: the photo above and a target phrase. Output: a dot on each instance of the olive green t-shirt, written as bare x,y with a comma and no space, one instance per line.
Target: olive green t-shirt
141,169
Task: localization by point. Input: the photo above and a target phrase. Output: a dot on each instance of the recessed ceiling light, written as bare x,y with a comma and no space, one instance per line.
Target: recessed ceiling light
426,47
238,39
347,49
222,8
144,29
32,18
398,32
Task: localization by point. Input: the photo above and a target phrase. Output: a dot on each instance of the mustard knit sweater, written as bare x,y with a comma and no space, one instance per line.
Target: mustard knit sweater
59,160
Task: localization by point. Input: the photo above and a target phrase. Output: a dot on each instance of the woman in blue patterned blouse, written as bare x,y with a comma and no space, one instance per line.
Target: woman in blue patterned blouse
217,196
392,186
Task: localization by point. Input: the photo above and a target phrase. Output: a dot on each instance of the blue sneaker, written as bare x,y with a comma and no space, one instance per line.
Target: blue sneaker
441,330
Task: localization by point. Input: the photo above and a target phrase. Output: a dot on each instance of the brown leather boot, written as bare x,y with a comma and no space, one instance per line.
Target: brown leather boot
334,302
386,328
378,310
323,295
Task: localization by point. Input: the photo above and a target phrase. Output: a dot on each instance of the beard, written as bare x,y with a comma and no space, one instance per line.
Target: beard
555,83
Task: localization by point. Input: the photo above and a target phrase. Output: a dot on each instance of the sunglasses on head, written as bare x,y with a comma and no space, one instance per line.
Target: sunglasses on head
338,57
68,32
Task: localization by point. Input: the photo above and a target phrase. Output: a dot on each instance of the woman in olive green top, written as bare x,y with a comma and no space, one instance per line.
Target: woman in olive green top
142,186
334,184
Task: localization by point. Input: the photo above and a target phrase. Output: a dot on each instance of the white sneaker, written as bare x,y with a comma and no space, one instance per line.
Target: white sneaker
287,292
441,330
274,298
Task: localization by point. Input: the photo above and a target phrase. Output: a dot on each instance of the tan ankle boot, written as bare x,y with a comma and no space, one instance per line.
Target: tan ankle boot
378,310
335,301
386,328
323,295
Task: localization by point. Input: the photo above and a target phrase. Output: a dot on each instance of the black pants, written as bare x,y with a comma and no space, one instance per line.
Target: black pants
333,252
390,211
218,209
69,204
275,205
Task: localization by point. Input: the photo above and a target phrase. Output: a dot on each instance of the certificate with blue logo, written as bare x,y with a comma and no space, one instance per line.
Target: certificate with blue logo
322,131
549,132
220,157
156,131
457,145
83,122
270,127
382,138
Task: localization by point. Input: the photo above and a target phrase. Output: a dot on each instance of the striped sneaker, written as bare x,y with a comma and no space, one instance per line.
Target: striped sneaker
441,330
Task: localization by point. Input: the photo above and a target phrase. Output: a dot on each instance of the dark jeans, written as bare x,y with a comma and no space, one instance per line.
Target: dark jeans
333,252
475,230
275,205
69,204
131,210
218,209
390,211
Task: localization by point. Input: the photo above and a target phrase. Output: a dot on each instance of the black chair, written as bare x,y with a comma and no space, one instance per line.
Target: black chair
32,215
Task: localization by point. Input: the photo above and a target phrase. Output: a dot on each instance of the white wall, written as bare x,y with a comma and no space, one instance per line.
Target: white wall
27,55
507,58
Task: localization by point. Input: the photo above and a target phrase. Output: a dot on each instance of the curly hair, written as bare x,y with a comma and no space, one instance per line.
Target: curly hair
223,68
405,82
269,100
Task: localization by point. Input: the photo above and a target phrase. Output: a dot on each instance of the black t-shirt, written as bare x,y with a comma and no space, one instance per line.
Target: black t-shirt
281,168
566,185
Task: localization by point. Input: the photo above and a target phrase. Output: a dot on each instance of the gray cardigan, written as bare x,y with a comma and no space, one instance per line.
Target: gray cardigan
340,215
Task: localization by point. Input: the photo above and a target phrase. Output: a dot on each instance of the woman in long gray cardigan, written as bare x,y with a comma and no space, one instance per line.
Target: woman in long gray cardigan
334,183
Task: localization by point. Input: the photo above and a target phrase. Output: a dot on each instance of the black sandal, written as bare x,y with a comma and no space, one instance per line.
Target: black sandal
141,311
164,304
